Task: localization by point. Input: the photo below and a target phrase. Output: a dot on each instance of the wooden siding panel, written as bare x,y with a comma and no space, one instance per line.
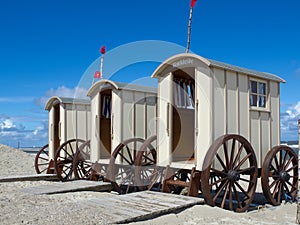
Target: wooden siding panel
255,131
265,137
232,116
275,113
219,103
243,106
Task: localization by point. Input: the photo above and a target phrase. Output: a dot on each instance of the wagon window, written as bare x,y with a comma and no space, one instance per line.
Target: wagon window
184,93
258,94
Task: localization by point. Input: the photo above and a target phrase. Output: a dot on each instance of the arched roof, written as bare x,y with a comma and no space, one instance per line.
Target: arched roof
119,86
96,86
186,59
63,100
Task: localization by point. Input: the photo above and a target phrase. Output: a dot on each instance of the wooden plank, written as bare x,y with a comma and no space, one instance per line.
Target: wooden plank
34,177
71,186
140,205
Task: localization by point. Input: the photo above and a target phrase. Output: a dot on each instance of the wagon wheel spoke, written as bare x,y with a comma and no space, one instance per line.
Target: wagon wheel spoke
82,166
238,155
226,153
285,177
221,162
43,170
292,168
63,159
249,170
121,166
275,169
232,152
41,162
221,179
147,175
220,189
242,161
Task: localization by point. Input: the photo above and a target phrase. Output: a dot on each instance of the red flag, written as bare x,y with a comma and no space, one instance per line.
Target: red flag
103,50
193,3
97,74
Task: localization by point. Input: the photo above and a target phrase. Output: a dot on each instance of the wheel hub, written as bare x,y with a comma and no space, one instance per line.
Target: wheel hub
284,176
233,175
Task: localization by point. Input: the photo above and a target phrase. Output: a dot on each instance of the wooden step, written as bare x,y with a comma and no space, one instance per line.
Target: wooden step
140,206
178,183
70,186
33,177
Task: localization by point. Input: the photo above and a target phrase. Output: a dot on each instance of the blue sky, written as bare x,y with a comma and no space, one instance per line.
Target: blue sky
46,47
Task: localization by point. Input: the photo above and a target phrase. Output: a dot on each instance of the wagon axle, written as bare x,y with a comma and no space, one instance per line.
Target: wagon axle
233,176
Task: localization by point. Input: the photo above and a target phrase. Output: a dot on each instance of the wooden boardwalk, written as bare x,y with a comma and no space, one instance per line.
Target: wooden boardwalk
140,205
34,177
70,186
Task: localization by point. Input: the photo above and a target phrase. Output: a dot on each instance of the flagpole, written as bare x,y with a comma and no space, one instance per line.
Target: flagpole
189,30
101,66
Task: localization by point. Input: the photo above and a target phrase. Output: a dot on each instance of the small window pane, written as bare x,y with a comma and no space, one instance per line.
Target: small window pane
262,88
262,101
253,100
253,87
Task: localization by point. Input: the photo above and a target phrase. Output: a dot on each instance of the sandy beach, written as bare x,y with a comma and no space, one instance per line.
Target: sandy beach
18,207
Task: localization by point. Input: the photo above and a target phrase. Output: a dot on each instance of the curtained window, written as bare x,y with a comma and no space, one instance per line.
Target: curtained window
258,94
106,106
184,93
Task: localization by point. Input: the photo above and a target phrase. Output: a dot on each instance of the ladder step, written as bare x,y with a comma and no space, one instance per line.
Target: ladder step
178,183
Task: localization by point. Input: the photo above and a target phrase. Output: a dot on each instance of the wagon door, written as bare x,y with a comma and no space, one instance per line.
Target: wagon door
183,110
54,130
165,118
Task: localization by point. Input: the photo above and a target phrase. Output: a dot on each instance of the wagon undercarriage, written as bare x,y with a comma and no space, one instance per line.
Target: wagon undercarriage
228,179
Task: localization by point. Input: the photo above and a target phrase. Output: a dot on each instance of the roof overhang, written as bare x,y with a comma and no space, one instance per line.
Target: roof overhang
102,84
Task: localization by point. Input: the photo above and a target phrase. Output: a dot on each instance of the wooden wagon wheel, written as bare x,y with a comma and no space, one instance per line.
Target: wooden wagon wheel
121,170
280,175
41,162
63,159
229,175
82,165
147,174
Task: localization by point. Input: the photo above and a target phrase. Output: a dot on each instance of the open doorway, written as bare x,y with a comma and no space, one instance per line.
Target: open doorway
183,135
56,127
105,123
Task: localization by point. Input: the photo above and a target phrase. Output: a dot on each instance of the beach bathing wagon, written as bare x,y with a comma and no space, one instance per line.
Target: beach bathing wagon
69,126
122,117
209,113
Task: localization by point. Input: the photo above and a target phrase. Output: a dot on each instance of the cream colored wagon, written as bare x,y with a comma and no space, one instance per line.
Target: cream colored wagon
218,130
69,126
212,112
122,117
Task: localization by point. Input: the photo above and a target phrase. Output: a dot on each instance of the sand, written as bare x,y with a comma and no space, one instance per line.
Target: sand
18,207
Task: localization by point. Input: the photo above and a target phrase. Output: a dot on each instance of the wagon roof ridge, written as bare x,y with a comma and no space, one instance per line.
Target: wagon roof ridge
65,100
121,86
178,60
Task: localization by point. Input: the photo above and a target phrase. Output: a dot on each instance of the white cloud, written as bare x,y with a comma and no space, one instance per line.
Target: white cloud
12,132
6,124
62,91
289,122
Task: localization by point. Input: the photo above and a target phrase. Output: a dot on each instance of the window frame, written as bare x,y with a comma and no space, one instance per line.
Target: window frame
258,94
